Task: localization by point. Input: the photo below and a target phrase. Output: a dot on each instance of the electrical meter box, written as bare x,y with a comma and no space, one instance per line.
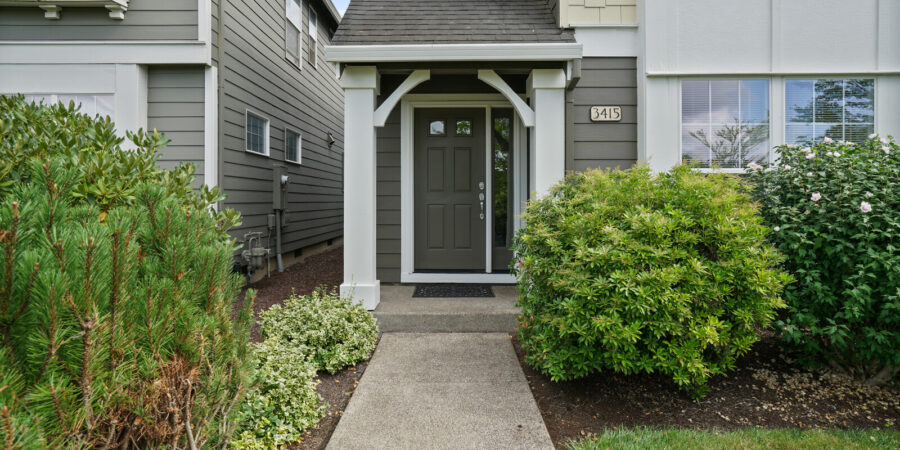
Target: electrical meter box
280,182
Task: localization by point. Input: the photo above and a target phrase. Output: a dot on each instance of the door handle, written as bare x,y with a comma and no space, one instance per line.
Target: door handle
482,209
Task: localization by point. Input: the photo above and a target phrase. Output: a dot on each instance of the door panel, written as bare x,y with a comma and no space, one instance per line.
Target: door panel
449,164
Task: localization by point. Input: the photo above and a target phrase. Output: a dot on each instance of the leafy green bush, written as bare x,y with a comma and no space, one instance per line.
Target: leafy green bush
116,304
835,207
336,332
635,272
318,332
285,402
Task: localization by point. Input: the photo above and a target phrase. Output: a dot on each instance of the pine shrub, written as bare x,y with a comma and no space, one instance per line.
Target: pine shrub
835,209
115,294
631,272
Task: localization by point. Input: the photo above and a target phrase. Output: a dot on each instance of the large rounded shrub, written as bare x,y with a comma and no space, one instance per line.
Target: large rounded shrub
635,272
835,207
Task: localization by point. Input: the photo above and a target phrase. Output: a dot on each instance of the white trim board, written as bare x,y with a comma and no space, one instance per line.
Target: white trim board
104,52
407,182
452,52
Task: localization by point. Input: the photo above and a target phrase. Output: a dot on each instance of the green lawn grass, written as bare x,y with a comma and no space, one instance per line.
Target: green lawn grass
647,438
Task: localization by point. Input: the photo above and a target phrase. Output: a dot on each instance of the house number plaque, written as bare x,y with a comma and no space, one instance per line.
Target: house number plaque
606,113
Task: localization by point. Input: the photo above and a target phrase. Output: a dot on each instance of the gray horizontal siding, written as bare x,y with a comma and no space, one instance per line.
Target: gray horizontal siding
175,106
604,81
144,20
256,76
388,199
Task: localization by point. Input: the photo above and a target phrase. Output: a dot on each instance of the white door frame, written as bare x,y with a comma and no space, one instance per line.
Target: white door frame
407,176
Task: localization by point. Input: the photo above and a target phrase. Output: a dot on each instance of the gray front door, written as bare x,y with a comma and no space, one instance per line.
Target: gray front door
449,189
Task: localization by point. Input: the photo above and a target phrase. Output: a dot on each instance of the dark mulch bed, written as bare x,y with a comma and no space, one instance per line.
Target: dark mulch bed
336,391
766,391
324,269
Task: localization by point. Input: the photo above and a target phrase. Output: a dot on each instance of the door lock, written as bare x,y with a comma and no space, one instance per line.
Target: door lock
481,185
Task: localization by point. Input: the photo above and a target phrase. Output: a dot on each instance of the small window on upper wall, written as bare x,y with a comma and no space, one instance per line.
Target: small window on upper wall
841,109
257,134
724,123
293,36
292,145
313,37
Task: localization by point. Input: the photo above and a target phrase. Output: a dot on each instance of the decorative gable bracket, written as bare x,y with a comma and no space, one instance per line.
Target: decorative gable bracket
52,8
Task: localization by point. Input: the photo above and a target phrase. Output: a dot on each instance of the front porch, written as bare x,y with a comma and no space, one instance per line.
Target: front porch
399,311
440,160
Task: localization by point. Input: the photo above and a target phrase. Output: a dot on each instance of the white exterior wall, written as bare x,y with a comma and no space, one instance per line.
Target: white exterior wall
772,39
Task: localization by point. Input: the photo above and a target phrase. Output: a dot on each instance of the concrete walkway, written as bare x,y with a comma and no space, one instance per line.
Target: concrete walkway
442,391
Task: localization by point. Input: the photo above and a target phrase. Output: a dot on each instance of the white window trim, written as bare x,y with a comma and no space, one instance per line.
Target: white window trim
313,37
247,113
772,155
287,55
784,81
299,145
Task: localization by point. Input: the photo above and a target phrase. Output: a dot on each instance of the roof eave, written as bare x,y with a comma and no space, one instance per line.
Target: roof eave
532,51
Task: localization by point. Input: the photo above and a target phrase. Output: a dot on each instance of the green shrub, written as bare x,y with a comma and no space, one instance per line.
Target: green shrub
635,272
336,332
284,403
835,207
115,304
318,332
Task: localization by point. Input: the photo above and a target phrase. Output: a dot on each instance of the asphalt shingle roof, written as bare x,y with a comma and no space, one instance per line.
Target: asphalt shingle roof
386,22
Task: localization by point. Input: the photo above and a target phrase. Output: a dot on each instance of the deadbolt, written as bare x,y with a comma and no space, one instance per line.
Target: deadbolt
481,185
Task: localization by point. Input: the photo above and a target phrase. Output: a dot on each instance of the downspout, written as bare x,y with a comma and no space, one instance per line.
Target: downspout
574,76
221,93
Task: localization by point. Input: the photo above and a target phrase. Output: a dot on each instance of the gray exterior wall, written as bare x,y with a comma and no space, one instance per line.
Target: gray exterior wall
144,20
175,106
604,81
255,75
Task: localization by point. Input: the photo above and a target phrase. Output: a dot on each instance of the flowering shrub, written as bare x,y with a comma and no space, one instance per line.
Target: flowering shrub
635,272
337,332
835,210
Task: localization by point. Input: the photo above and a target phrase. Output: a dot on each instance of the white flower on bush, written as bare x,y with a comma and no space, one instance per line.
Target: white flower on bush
829,153
869,194
809,174
816,197
886,150
754,166
865,207
787,167
828,140
777,229
769,169
837,154
873,135
805,150
810,156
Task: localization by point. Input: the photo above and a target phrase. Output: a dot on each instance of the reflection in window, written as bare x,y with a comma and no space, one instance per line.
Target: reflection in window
292,142
463,127
500,131
724,123
257,134
839,109
293,37
437,128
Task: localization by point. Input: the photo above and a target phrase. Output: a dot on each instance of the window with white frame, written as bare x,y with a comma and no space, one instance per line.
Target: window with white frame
257,134
92,105
842,109
724,123
292,146
293,34
313,36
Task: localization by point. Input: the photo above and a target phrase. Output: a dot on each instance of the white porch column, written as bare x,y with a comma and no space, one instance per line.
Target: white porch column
360,85
546,88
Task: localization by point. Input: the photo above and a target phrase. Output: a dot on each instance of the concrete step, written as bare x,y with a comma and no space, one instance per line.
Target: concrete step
400,312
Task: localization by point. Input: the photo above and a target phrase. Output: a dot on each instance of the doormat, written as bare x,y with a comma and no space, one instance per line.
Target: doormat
453,290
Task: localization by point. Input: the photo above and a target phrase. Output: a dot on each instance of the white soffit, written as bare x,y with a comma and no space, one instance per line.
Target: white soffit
453,52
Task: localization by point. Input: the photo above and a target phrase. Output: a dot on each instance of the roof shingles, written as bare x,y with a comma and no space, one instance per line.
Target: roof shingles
393,22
